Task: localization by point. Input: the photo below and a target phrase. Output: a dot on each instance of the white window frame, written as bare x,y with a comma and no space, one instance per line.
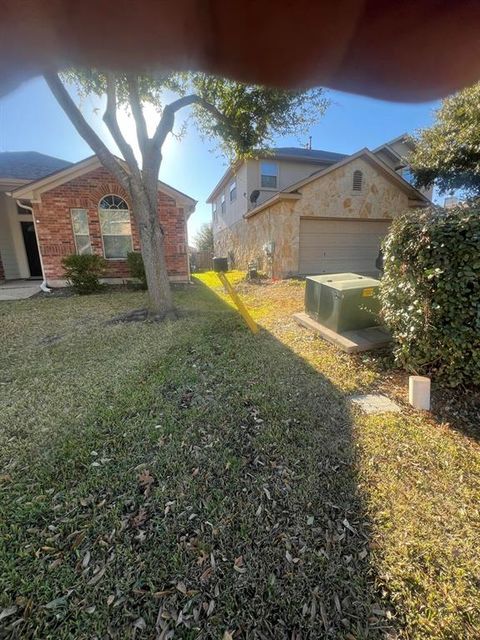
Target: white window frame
223,203
72,211
275,164
100,209
214,211
233,191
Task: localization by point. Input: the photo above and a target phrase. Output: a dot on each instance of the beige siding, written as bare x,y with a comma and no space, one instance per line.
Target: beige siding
233,210
248,180
289,172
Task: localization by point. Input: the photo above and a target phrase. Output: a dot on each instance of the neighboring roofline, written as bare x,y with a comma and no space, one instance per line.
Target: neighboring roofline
6,184
373,158
404,137
309,160
38,186
319,174
33,189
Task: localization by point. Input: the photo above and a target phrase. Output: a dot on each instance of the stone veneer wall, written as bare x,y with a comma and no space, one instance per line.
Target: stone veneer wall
330,196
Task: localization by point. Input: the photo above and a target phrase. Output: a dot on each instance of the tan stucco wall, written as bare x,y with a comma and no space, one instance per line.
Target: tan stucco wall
330,196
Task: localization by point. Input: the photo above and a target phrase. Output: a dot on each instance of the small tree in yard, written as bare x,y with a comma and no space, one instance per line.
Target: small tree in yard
204,238
448,152
242,117
430,292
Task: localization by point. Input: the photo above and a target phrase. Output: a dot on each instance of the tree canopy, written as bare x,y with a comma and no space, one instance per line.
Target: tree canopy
241,118
204,238
448,152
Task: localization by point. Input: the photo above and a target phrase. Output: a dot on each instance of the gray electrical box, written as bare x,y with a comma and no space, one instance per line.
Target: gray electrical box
343,301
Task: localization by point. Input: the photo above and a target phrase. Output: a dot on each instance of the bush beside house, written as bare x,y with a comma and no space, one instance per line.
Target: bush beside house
137,268
83,272
431,292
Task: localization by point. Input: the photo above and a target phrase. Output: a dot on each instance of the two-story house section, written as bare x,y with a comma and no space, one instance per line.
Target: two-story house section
248,183
297,211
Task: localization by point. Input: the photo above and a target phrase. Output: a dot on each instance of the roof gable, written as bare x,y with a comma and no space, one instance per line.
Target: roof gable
373,159
413,193
33,190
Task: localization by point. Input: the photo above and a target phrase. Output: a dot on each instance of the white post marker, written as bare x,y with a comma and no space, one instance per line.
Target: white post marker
419,392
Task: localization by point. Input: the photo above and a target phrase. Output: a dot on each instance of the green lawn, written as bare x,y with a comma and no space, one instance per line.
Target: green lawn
191,480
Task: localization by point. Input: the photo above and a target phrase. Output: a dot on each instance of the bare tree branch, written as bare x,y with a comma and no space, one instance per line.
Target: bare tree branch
85,130
137,112
168,118
110,119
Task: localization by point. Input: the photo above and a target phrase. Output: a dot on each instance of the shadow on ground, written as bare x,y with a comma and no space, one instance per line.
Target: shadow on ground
222,497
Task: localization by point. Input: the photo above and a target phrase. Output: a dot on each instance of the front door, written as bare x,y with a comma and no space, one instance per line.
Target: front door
31,247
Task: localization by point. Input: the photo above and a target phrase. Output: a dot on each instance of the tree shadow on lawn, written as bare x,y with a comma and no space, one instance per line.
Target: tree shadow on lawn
225,499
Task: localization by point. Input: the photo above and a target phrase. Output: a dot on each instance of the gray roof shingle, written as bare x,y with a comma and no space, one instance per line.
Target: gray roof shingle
29,165
314,155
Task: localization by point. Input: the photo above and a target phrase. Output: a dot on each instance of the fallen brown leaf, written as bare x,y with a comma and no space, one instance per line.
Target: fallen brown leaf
139,519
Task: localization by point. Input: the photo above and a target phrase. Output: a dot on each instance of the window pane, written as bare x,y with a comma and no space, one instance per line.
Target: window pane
115,222
113,202
117,246
83,244
269,169
80,222
269,181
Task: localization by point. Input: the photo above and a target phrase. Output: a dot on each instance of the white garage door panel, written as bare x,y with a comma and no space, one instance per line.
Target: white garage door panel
332,246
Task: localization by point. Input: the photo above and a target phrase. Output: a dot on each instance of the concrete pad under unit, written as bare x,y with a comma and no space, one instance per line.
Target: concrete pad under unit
375,403
348,341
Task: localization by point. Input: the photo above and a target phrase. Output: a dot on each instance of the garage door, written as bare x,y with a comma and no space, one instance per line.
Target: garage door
334,246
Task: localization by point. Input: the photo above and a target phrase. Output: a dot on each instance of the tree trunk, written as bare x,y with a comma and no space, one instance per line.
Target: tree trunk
153,252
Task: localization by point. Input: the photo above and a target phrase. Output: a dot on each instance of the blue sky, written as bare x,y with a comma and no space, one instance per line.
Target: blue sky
30,119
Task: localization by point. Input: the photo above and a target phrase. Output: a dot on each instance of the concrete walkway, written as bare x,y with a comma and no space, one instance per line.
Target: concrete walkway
19,289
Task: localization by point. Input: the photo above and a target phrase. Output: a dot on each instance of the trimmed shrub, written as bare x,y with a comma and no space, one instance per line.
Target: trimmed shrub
430,292
137,268
83,272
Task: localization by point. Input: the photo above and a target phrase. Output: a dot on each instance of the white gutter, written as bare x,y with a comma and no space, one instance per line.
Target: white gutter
43,286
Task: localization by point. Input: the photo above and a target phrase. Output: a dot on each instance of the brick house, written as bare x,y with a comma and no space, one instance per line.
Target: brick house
78,208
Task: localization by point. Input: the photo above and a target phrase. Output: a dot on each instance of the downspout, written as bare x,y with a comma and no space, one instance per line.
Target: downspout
43,286
185,217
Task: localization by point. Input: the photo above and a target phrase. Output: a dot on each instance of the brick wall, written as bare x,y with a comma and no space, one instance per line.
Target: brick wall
55,233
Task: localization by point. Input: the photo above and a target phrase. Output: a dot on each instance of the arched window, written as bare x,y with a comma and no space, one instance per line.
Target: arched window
357,184
115,227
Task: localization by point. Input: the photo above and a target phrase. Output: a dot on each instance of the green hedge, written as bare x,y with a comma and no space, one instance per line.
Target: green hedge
137,268
431,292
83,272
